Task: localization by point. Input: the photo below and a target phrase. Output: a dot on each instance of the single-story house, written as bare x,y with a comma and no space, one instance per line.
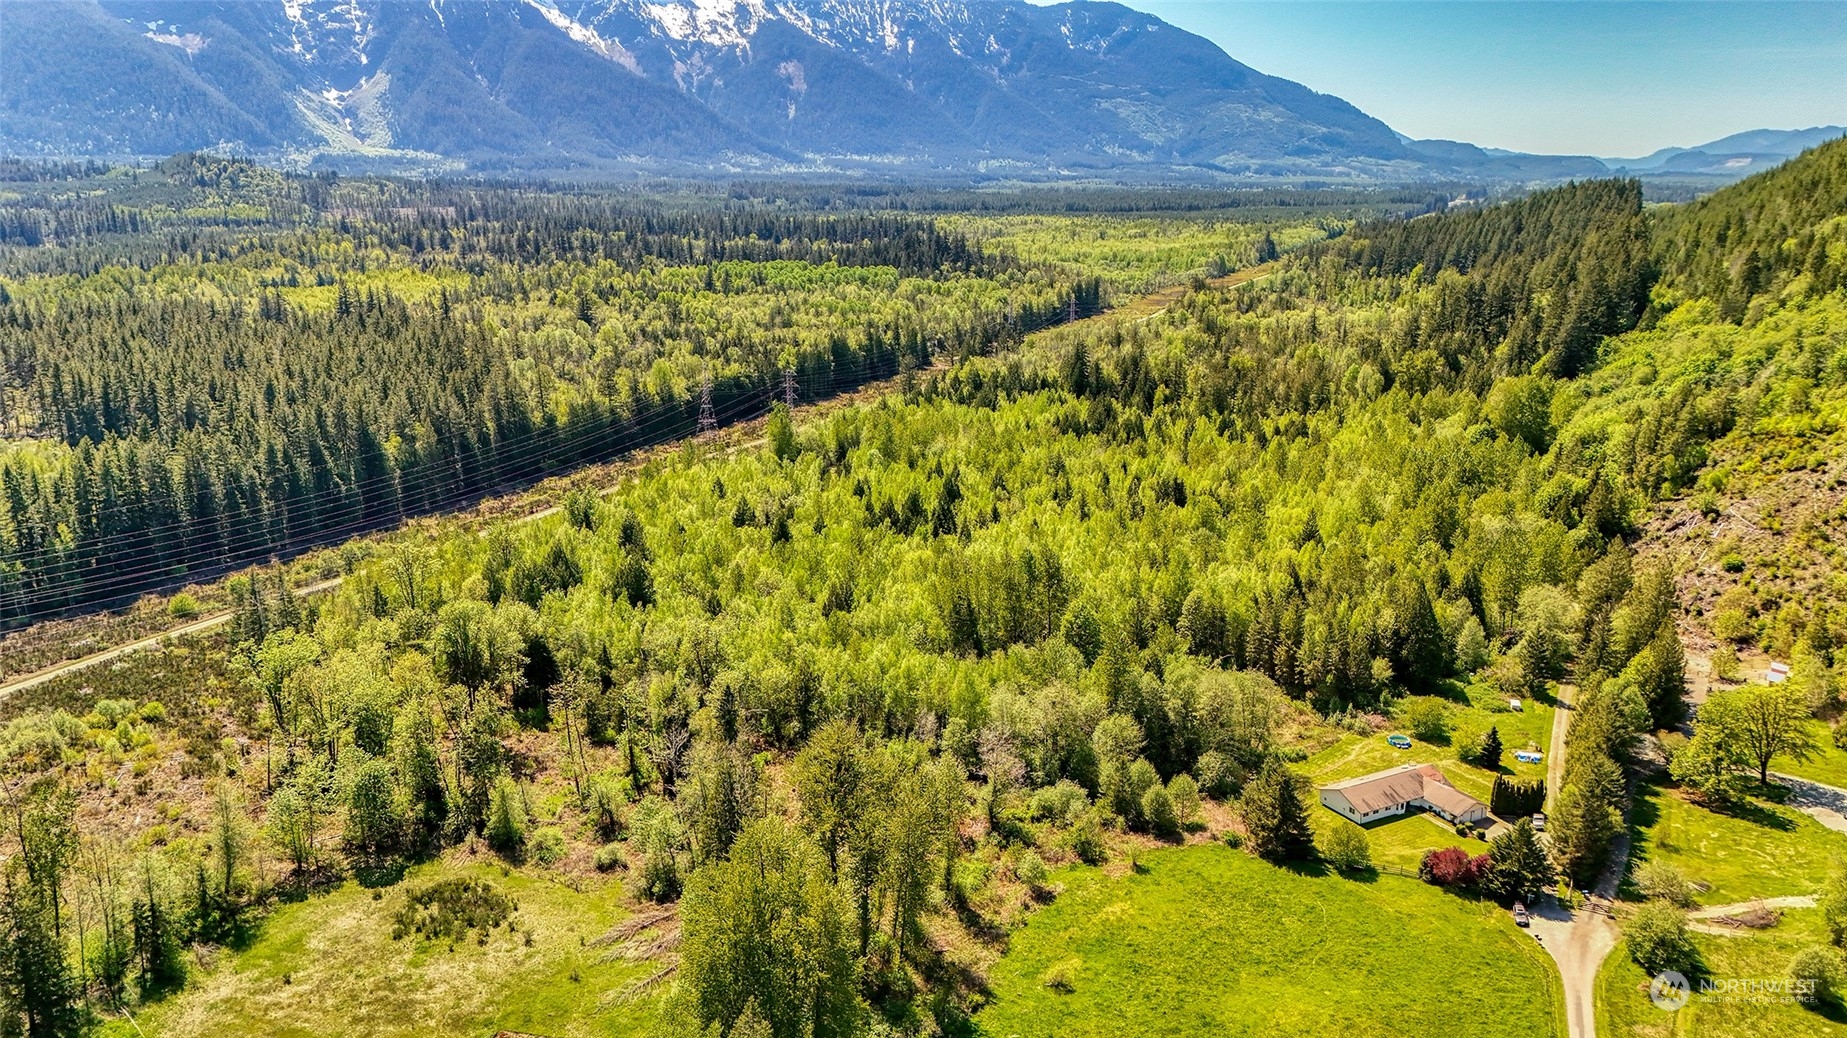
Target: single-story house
1395,791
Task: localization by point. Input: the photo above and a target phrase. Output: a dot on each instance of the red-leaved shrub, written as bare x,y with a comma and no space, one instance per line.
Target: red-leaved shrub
1452,867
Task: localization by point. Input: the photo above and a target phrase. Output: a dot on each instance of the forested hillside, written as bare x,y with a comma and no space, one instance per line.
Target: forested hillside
1066,596
1758,238
1741,378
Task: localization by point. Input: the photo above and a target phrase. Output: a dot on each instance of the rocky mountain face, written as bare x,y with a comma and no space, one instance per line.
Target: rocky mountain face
996,88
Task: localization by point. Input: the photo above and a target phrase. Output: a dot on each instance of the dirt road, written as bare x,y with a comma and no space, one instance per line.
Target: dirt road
1824,803
1555,755
1701,920
192,627
1578,941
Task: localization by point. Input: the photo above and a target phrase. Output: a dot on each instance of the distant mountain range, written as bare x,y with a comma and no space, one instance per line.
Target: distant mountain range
961,87
909,88
1738,155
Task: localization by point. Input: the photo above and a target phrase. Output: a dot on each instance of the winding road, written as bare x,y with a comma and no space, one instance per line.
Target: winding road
1578,939
1824,803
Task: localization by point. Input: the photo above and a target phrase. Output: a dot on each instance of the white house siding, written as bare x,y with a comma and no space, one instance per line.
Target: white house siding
1333,801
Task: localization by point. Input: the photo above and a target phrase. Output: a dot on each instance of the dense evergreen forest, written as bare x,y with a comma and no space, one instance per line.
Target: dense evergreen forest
226,364
870,677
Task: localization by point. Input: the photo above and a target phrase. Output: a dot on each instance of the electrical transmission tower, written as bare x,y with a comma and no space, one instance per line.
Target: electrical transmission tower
708,418
788,387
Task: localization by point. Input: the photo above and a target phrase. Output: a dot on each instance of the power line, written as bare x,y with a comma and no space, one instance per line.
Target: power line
253,538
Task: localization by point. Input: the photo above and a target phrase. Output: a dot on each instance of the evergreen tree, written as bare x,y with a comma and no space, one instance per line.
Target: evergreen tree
1659,673
831,779
1518,868
1275,818
1581,828
158,941
1491,750
720,795
1420,655
39,995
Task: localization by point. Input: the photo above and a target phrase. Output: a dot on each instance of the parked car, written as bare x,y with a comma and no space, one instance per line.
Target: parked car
1539,821
1520,916
1401,742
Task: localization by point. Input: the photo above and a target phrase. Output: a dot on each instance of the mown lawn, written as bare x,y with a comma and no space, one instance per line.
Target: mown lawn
1828,766
1401,842
1624,1011
1210,941
1356,755
328,966
1759,850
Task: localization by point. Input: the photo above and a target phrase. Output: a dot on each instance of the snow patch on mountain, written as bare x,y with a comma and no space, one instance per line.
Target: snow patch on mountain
190,42
611,49
329,31
717,23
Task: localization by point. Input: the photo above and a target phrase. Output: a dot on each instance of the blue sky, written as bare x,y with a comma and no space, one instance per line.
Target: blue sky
1602,77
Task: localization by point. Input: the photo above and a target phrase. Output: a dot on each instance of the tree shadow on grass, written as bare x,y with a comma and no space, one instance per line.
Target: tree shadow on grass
1773,791
378,873
1453,690
1753,812
1644,812
982,929
300,886
1829,1009
1309,869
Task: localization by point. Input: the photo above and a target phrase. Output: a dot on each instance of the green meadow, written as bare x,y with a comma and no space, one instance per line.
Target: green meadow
1210,941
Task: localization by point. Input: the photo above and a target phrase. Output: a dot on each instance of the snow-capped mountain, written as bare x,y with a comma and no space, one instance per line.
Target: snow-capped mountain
913,86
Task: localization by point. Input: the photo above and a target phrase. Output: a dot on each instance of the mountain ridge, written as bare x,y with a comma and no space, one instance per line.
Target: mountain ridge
984,88
1735,155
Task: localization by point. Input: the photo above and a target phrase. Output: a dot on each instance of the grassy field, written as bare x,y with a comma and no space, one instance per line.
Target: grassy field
329,966
1134,253
1828,766
1762,850
1210,941
1624,1011
1401,843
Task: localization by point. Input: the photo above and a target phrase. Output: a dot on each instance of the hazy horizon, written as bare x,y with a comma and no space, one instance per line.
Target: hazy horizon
1612,78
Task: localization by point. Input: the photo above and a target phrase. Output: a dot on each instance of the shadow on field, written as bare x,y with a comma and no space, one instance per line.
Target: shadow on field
1756,814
